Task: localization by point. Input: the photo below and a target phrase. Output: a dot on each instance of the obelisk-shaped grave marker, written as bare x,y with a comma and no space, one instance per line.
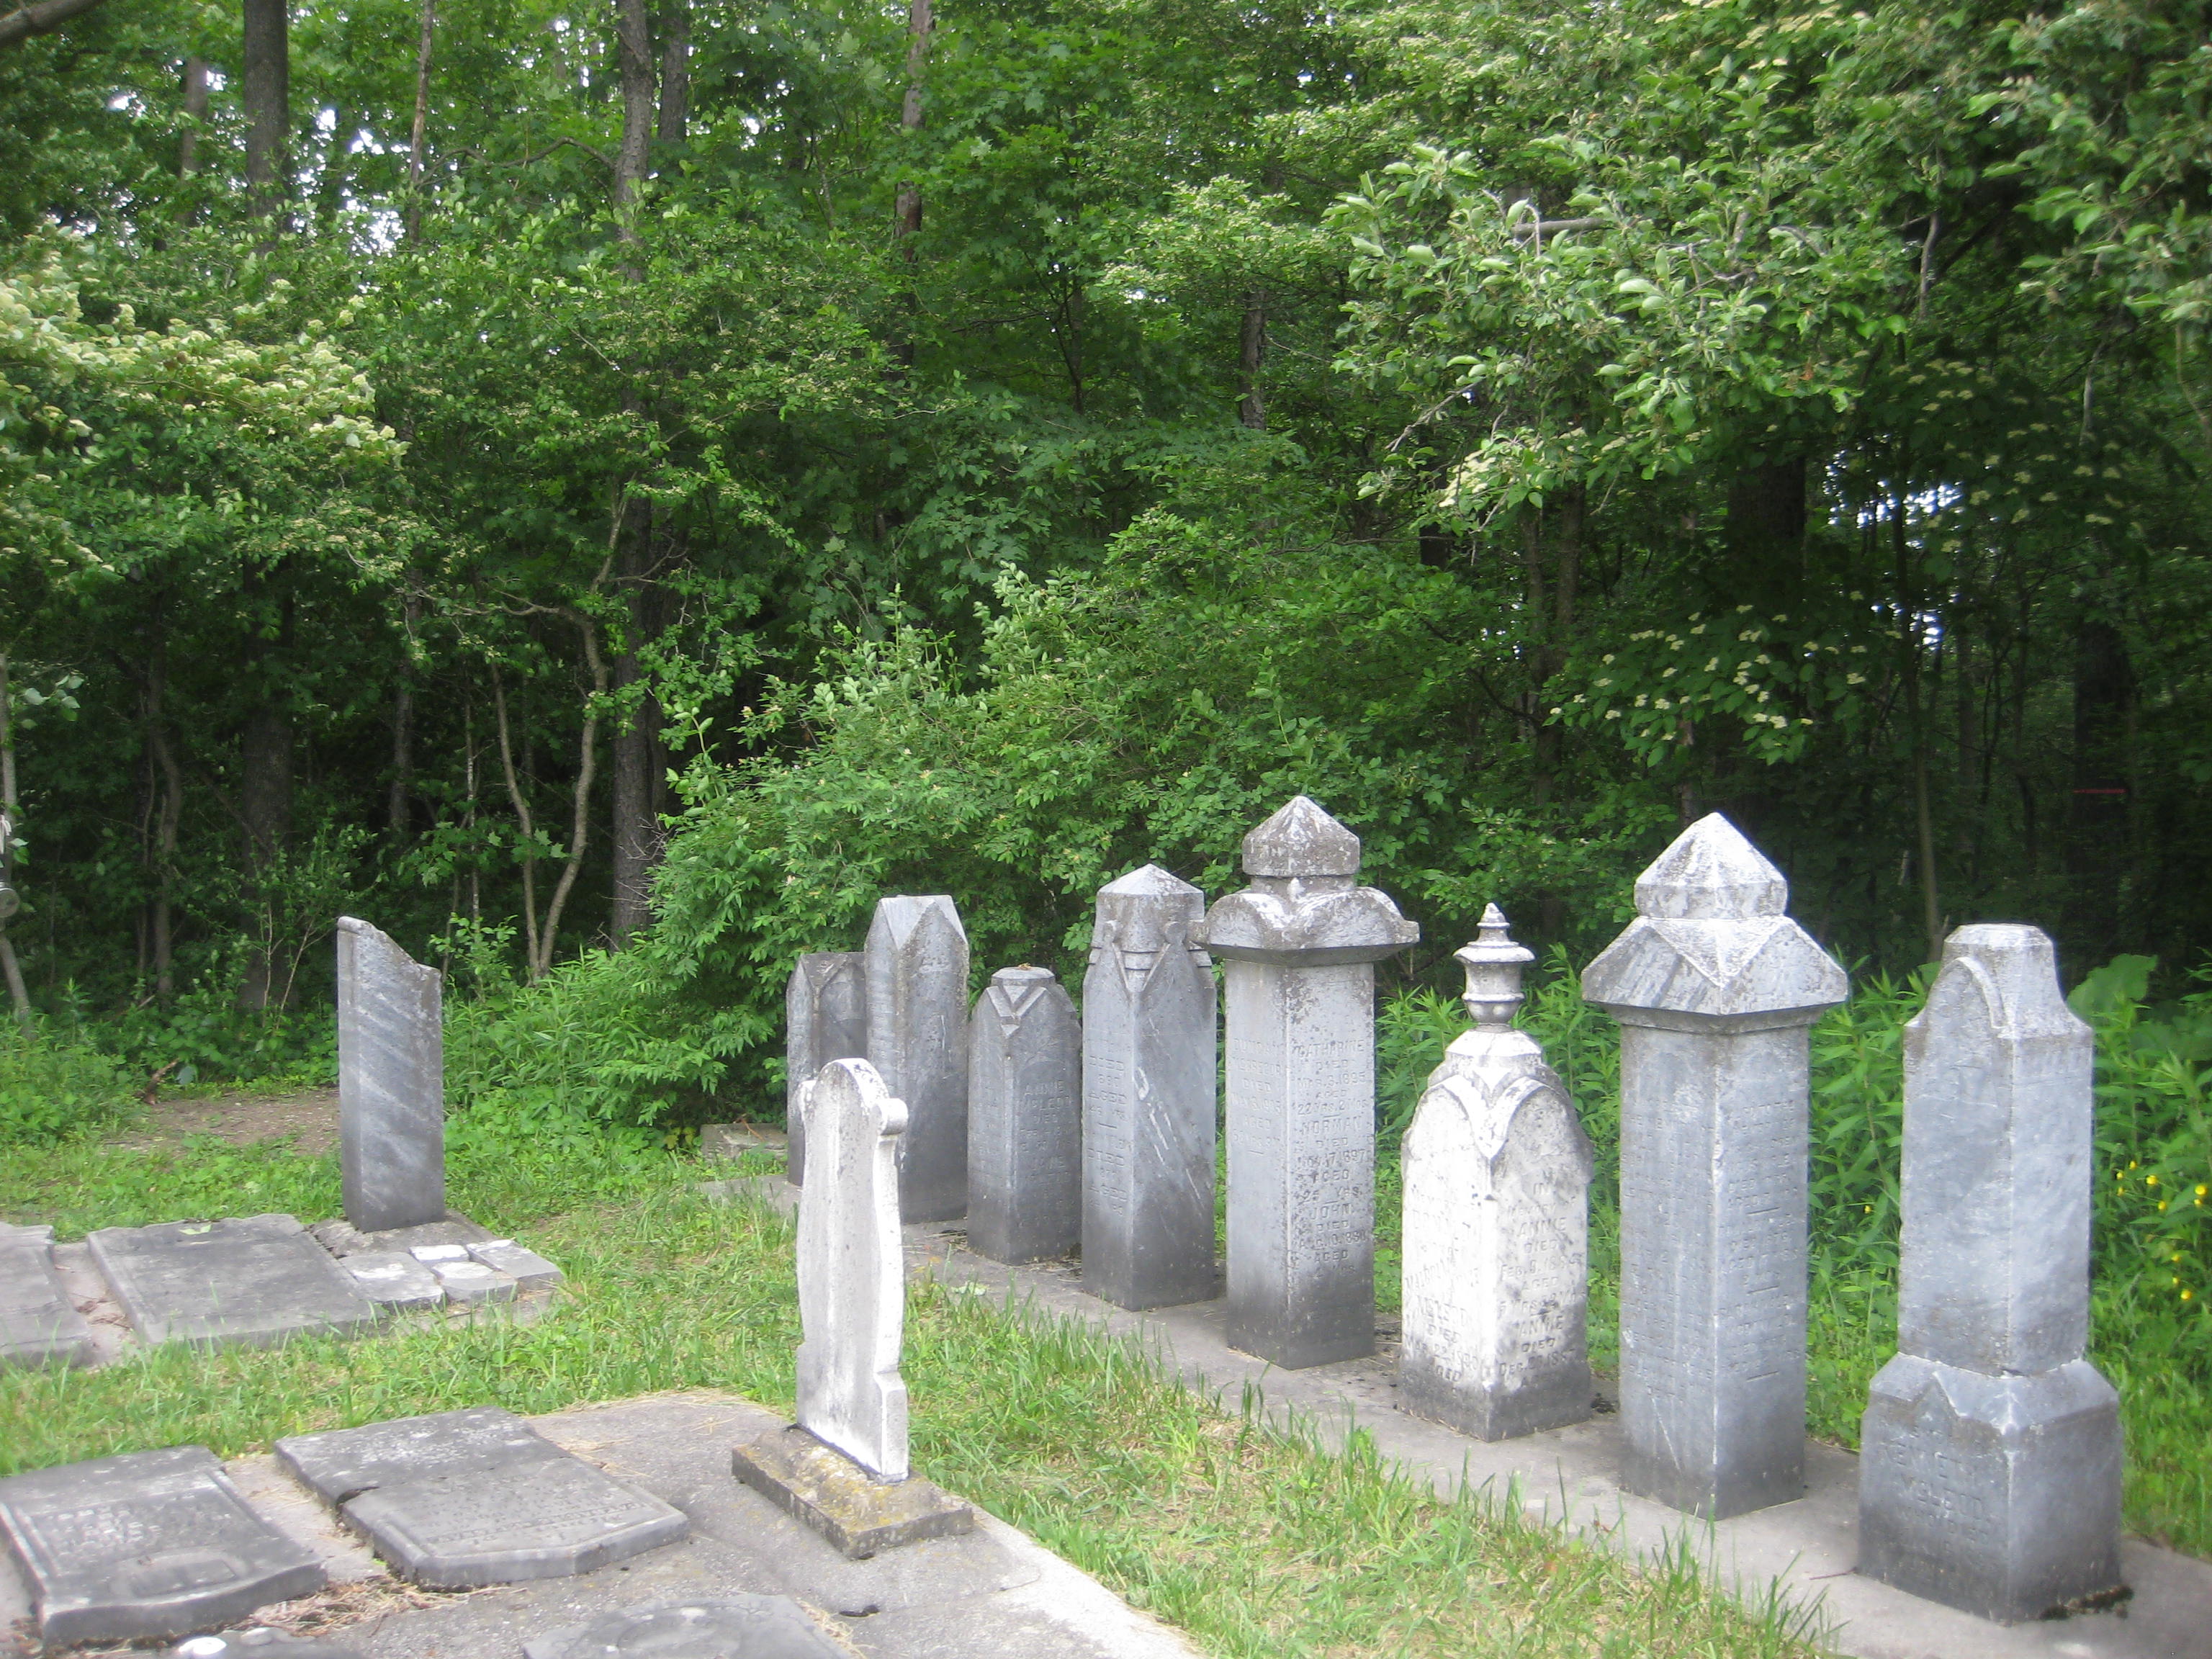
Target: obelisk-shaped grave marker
918,1044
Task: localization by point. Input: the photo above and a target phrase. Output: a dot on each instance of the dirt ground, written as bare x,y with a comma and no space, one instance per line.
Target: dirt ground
310,1115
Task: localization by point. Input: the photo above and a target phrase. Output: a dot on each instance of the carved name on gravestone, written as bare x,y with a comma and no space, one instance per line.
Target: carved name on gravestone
1148,1076
392,1082
825,1010
1497,1176
1715,989
149,1544
918,1044
729,1627
1989,1460
1024,1119
257,1280
39,1324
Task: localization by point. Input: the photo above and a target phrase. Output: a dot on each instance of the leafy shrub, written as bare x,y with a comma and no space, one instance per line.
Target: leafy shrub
55,1085
204,1037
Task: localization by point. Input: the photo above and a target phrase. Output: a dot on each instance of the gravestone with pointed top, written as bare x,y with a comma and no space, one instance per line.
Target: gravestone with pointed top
1149,1069
1024,1119
1716,990
1301,944
825,1009
392,1082
917,961
1989,1460
1496,1223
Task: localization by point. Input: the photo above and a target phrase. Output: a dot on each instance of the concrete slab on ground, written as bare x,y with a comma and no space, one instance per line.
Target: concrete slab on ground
257,1280
39,1324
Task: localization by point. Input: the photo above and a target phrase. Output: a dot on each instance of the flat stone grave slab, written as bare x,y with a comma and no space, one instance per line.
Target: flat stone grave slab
146,1545
257,1280
738,1627
341,1464
39,1324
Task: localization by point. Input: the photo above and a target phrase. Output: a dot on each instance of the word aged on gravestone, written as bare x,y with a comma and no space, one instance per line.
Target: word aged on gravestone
917,1043
825,1018
257,1280
1148,1086
149,1544
1496,1223
1989,1456
1300,945
1024,1119
1715,989
392,1082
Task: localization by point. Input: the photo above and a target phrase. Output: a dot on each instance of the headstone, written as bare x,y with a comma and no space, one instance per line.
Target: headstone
395,1280
1300,945
145,1546
257,1280
1497,1176
39,1324
730,1627
917,961
1989,1454
825,1009
1024,1119
1715,989
338,1464
1149,1078
392,1082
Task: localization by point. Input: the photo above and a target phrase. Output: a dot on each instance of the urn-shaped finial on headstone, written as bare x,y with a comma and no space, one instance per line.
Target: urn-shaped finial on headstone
1301,840
1493,964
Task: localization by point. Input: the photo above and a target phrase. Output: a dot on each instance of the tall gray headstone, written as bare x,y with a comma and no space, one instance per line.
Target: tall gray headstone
1496,1223
1300,945
1149,1076
918,1042
1989,1454
392,1082
825,1009
1716,990
1024,1119
852,1272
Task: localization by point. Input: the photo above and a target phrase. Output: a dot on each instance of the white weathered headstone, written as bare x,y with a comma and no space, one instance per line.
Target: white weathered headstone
1301,944
392,1082
825,1008
1024,1119
1716,990
1496,1223
1149,1076
852,1272
1989,1454
918,1042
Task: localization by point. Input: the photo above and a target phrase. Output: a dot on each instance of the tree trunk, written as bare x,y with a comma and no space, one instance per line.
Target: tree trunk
421,119
196,109
266,91
18,994
329,189
2097,825
907,225
1764,535
634,47
675,126
1924,811
636,833
264,810
1252,351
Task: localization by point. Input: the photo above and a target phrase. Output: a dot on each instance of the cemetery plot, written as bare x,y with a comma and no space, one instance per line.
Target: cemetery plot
39,1323
257,1280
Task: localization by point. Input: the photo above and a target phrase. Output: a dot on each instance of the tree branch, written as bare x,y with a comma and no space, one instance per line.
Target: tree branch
38,19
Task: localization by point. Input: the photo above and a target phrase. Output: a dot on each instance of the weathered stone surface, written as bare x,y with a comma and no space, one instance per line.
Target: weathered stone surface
725,1143
257,1280
262,1643
342,1238
340,1464
395,1280
147,1544
1301,944
392,1082
528,1269
1024,1119
1715,988
732,1627
917,961
468,1283
852,1282
826,1011
1149,1076
1497,1176
835,1496
1990,1472
39,1323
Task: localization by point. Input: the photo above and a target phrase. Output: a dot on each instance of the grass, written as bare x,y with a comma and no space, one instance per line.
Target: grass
1255,1543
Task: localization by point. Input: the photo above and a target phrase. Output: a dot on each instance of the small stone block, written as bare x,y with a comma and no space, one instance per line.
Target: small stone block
731,1627
147,1545
725,1143
396,1282
434,1254
339,1464
469,1282
257,1280
39,1324
532,1271
263,1641
860,1516
547,1518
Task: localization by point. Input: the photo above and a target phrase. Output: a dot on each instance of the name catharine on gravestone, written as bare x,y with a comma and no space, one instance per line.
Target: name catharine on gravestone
1989,1454
825,1009
1496,1223
1300,945
1024,1119
392,1082
1715,989
1148,1076
918,1044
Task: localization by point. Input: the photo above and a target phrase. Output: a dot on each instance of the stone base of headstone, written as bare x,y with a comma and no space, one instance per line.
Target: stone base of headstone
725,1143
39,1324
1997,1495
731,1627
859,1515
257,1281
342,1238
1538,1403
395,1281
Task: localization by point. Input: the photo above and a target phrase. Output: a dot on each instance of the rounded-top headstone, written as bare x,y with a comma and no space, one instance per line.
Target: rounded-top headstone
1301,840
1711,873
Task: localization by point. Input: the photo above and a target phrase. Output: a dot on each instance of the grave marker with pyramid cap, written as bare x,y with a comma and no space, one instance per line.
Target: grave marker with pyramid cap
918,1044
1024,1119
